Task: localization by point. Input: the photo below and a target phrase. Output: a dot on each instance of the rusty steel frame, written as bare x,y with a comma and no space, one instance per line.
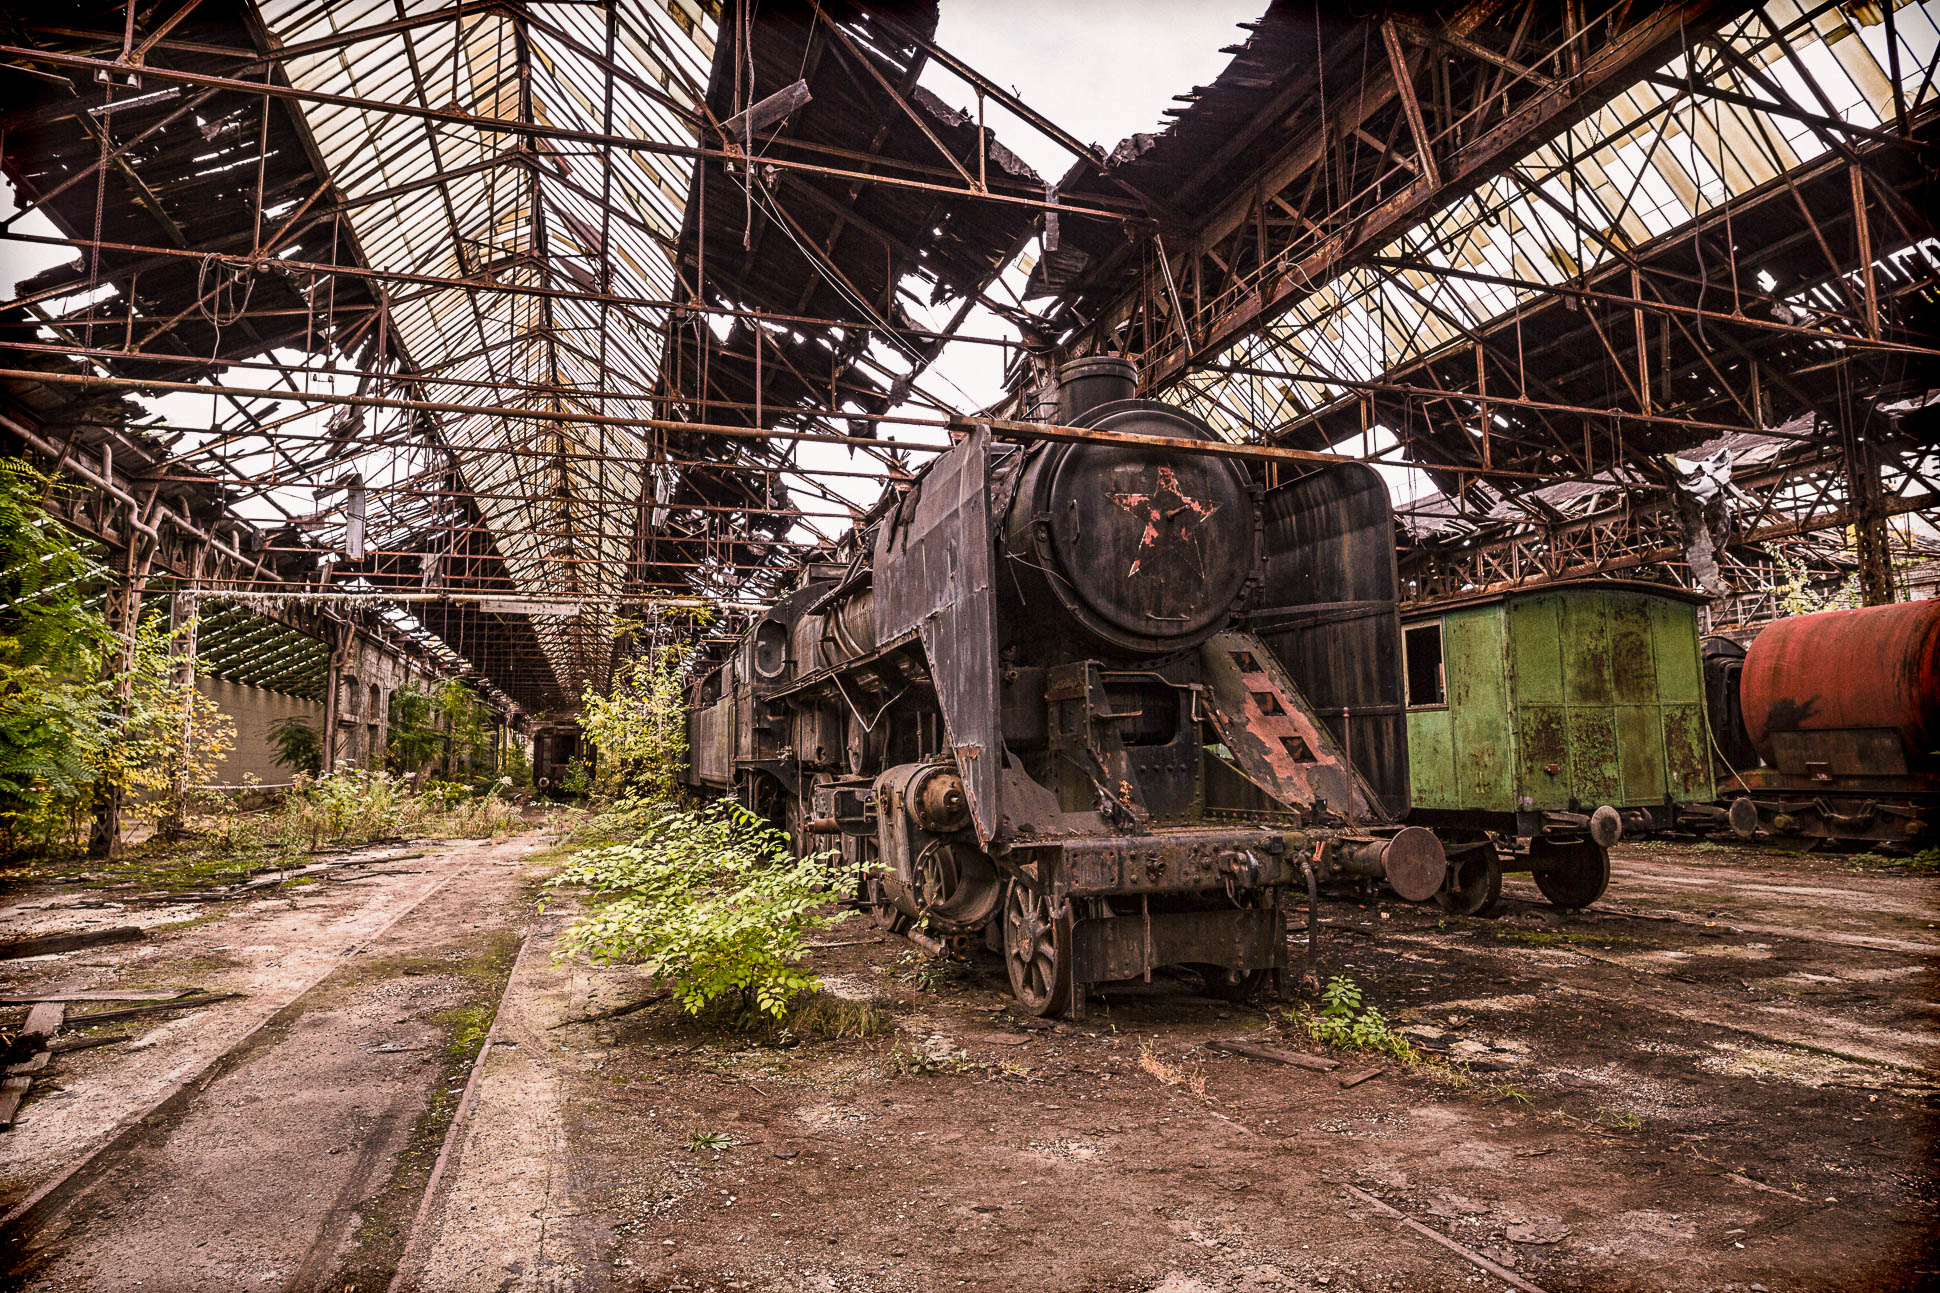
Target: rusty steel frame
1193,306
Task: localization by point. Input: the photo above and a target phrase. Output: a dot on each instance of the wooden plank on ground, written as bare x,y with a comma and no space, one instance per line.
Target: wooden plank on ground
66,1044
12,1092
32,1065
48,943
1275,1054
43,1021
102,994
129,1012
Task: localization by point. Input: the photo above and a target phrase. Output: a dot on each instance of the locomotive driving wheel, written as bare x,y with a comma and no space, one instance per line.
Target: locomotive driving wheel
882,910
1570,875
1474,883
1037,951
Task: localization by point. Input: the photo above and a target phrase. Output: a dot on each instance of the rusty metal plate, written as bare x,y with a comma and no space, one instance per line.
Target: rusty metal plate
1275,740
1328,610
933,574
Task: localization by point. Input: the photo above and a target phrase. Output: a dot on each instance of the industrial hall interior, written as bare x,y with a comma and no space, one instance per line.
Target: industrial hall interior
875,646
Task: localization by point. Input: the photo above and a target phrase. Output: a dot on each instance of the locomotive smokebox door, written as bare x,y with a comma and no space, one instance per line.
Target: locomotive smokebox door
1130,548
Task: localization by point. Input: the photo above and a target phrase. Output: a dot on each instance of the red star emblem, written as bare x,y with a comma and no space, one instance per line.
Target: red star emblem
1167,509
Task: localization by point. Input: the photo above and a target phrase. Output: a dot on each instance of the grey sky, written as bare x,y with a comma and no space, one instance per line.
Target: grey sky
1099,69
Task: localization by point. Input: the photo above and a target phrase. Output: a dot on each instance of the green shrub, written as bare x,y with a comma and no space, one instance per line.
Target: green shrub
54,709
352,807
712,901
412,741
1344,1021
299,746
640,727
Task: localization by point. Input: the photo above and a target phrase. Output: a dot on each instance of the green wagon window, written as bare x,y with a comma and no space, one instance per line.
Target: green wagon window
1422,645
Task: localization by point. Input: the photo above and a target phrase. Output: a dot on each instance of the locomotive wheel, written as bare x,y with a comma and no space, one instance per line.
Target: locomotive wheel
1474,883
1570,875
1227,984
885,913
794,815
1037,951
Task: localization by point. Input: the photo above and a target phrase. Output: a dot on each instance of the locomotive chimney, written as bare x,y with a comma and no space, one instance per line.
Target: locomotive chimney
1084,384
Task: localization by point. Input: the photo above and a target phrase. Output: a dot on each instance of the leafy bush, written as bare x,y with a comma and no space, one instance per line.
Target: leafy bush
1345,1022
640,727
412,739
578,778
351,807
53,706
299,746
358,806
711,900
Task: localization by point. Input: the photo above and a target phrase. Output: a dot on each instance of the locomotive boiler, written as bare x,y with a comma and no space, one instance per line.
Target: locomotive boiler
1829,725
1097,705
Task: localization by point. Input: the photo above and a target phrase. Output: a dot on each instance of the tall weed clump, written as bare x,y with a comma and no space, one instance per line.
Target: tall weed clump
710,900
639,727
53,704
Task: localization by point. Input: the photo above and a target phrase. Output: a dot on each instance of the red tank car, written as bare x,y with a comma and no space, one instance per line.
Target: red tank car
1843,709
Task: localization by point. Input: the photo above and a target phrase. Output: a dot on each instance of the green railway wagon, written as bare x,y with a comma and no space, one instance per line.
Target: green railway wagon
1540,721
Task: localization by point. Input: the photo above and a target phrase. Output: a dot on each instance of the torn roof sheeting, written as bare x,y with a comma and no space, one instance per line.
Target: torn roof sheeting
1632,176
1254,109
522,210
805,244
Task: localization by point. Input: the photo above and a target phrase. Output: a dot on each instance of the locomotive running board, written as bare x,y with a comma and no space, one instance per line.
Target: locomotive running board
1272,735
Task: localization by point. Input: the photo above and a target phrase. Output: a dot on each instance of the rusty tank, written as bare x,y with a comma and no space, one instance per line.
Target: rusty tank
1843,710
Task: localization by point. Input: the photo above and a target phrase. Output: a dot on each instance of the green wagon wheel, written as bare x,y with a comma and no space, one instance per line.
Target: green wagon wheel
1474,883
1570,875
1037,951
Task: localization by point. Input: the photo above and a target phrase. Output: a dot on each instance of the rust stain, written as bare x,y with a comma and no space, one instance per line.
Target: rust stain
1158,516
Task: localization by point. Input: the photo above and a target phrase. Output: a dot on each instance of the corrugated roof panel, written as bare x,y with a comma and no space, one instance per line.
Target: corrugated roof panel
530,216
1651,161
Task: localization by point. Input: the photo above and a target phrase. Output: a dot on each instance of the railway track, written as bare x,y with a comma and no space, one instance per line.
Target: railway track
32,1231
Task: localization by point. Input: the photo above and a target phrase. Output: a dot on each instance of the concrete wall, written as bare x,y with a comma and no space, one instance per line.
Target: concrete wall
255,709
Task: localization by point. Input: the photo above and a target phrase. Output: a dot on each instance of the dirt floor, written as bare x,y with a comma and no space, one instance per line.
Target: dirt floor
1721,1078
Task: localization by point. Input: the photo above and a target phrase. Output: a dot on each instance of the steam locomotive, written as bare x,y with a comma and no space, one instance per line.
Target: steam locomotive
1097,704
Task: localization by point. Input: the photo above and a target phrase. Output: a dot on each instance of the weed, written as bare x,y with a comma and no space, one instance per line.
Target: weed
822,1014
714,1140
1346,1022
1510,1091
924,972
468,1027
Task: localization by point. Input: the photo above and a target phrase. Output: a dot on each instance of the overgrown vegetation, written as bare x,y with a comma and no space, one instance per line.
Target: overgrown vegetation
53,706
1345,1020
711,900
68,736
640,726
298,745
448,731
361,807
